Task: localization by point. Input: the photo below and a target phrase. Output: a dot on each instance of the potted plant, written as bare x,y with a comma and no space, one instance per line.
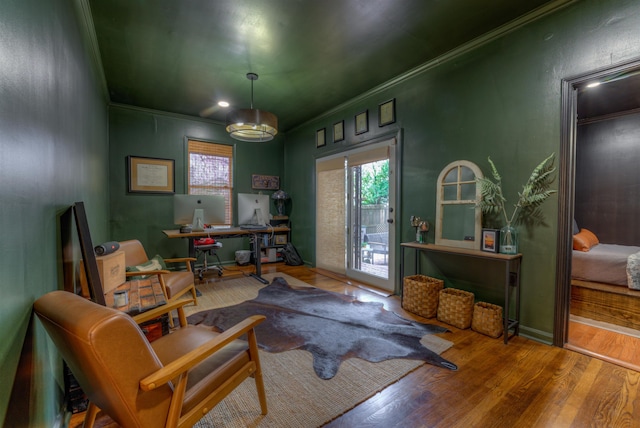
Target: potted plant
526,210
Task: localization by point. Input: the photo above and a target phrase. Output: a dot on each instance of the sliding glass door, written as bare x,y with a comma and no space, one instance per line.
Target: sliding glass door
355,214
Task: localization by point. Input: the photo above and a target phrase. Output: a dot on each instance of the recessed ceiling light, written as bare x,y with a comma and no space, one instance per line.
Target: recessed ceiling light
223,104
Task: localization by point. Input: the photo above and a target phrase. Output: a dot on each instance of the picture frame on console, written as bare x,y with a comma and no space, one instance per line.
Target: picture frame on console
490,240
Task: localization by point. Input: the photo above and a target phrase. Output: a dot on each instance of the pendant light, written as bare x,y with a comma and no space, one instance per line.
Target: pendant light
251,124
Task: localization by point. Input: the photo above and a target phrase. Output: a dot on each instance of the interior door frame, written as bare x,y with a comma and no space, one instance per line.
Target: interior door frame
566,188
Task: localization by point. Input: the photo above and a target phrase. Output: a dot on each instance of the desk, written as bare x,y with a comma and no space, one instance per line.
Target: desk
233,232
511,263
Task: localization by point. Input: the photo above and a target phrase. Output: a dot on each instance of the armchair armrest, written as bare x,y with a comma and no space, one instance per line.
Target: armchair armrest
164,309
148,272
186,260
180,260
183,364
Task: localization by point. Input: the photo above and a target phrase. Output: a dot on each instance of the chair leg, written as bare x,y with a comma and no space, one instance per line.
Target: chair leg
257,375
195,295
90,416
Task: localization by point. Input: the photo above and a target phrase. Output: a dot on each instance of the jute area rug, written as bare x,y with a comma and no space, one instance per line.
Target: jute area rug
296,397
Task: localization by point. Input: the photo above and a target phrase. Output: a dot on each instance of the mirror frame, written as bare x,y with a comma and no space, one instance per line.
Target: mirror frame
441,203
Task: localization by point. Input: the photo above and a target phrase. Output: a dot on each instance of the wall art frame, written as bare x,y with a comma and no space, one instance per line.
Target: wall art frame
150,175
321,137
338,131
265,182
362,122
387,112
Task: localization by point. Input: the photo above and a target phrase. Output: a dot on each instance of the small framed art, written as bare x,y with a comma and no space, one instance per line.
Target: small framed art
490,240
321,137
150,175
265,182
387,113
362,122
338,131
281,239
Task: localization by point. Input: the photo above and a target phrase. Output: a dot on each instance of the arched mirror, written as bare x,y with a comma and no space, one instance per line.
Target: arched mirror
458,220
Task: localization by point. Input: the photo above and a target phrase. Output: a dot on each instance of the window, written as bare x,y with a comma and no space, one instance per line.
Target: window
211,172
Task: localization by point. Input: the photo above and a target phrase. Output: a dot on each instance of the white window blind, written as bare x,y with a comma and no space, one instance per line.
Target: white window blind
211,172
331,214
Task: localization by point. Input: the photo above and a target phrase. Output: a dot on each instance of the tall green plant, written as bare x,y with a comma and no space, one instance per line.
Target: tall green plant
534,193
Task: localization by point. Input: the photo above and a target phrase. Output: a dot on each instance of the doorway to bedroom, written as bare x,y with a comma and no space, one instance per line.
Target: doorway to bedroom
598,309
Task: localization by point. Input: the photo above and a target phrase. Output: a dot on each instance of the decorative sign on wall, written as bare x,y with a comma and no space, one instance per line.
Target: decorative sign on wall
265,182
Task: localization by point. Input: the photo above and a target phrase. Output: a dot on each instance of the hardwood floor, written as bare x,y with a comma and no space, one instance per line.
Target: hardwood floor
608,345
522,384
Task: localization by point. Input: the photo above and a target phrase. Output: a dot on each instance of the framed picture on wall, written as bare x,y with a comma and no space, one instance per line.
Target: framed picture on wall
265,182
321,137
387,113
490,240
151,175
362,122
338,131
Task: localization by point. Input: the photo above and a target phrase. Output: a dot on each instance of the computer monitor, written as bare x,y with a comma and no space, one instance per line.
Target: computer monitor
253,209
198,210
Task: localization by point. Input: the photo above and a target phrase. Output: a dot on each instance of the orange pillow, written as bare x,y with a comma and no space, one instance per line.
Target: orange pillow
584,240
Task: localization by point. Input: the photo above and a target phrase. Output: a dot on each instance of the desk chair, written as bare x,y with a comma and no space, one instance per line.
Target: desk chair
207,247
173,381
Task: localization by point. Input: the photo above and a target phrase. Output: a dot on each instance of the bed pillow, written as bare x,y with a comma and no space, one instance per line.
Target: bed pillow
584,240
156,263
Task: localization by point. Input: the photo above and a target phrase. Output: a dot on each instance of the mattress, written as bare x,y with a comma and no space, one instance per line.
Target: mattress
605,263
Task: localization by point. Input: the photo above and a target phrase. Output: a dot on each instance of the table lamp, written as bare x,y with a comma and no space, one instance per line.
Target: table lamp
280,197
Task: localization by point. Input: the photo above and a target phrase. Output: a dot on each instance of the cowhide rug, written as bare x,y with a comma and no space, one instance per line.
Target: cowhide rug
332,326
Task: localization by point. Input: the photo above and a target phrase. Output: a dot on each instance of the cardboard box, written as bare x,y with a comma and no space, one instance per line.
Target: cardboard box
112,270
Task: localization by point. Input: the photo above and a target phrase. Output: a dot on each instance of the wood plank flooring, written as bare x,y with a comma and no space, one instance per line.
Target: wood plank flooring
522,384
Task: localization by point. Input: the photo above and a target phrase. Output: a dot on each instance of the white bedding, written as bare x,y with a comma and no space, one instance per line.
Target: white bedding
605,263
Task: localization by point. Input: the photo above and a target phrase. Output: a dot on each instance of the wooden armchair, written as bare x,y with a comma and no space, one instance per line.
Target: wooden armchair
174,283
170,382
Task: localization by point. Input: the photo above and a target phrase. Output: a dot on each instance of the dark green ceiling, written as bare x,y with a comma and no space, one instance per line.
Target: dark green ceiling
183,56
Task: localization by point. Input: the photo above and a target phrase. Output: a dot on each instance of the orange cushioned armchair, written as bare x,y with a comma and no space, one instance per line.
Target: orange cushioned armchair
173,381
174,284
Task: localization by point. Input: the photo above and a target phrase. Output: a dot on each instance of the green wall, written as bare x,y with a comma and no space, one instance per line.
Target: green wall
53,145
502,100
155,134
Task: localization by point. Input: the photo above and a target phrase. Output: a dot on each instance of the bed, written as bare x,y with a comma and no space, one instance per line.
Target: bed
606,263
605,281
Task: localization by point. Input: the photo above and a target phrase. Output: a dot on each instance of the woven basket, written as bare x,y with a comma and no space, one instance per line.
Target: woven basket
487,319
455,307
420,295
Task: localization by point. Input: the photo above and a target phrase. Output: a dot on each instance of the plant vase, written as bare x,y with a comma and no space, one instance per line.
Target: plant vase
508,240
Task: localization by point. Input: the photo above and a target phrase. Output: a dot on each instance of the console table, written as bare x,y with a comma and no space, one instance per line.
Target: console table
511,263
